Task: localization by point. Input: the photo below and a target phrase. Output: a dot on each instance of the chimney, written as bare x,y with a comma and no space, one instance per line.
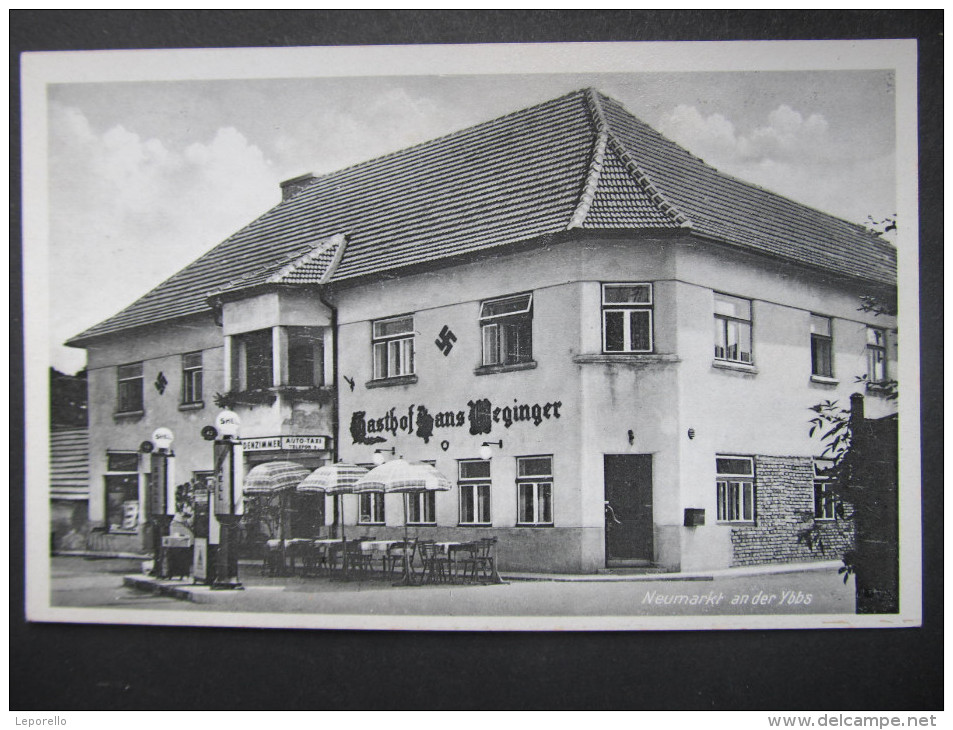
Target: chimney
290,188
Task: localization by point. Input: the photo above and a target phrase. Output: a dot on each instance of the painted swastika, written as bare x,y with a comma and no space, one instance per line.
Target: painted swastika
445,341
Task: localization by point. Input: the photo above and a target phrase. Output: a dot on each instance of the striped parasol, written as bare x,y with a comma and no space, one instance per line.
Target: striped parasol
338,478
399,476
274,477
402,476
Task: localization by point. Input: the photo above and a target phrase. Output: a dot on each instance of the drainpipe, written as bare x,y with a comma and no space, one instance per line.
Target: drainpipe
335,421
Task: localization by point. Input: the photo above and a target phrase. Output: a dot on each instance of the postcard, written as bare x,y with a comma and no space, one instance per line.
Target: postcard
590,336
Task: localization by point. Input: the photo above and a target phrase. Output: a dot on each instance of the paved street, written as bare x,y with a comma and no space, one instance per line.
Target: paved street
98,583
82,583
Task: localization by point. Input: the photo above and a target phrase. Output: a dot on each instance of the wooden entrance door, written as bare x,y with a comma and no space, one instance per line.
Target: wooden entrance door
628,507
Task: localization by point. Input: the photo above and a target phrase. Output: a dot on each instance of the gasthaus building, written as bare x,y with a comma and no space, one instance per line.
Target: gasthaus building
633,336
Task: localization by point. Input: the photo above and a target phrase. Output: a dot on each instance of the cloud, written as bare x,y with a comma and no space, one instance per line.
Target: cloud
133,206
359,127
787,135
790,153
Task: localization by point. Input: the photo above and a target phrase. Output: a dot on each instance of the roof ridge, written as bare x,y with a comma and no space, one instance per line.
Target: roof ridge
284,262
594,102
596,161
319,248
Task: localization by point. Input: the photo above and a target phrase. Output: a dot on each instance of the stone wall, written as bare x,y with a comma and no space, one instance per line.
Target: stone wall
784,508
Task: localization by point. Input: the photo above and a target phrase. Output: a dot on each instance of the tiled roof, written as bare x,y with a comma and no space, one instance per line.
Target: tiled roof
730,210
311,264
69,463
577,162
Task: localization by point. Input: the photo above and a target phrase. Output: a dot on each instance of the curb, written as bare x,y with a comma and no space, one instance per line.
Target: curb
544,578
98,555
202,594
708,575
150,585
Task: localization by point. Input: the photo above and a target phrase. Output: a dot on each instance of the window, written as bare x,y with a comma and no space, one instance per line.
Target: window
824,503
372,508
627,318
732,329
821,360
305,356
534,490
122,491
422,508
507,328
876,355
192,378
253,360
130,387
393,342
735,484
474,486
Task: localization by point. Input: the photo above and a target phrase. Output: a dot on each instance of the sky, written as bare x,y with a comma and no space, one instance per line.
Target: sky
147,176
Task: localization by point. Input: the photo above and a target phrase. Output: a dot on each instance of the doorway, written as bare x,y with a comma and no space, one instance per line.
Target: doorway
628,509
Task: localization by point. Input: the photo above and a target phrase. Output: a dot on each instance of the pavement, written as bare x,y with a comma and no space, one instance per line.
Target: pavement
812,588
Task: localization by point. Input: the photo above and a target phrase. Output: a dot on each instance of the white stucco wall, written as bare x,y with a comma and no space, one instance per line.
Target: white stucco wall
657,397
160,349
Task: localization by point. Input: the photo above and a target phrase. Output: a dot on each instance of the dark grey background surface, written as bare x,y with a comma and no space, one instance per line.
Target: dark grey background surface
61,667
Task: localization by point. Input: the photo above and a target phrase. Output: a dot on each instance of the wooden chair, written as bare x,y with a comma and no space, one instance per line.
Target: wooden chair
314,557
436,566
482,561
394,557
357,559
460,558
334,556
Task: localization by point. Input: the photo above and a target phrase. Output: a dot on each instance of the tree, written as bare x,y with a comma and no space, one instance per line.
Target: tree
68,399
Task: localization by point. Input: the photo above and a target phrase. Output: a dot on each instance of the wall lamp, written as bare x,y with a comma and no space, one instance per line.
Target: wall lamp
379,454
486,453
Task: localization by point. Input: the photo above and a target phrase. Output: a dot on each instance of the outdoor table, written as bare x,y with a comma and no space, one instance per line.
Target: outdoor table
450,549
377,546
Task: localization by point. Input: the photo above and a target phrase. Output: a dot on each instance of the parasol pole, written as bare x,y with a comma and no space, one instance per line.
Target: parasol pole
344,565
406,580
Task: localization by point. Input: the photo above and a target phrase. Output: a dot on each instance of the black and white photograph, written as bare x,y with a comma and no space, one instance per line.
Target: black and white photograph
552,337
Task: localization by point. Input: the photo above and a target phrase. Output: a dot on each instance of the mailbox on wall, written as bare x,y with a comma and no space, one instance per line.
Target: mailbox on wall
694,517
